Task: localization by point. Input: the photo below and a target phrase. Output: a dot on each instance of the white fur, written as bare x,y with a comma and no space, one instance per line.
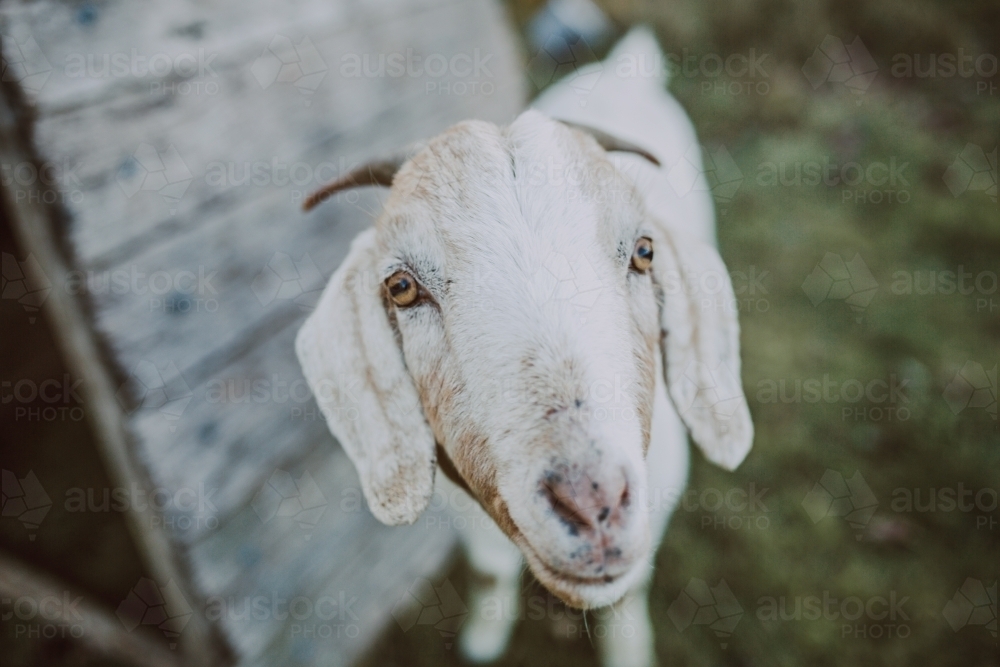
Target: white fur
535,360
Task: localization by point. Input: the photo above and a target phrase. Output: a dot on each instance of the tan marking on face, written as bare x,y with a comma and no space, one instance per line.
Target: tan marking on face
471,459
449,470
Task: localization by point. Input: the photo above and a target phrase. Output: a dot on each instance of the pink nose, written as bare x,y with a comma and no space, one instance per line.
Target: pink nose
587,502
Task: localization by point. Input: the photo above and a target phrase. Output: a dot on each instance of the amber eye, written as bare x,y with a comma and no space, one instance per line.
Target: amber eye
642,256
402,288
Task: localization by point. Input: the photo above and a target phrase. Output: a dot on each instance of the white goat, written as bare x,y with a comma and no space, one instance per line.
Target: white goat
505,320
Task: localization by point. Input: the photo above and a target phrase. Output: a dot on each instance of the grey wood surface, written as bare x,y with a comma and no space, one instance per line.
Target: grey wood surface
150,169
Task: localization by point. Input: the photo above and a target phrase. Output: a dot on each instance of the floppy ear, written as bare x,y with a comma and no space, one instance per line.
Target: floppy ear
700,338
355,368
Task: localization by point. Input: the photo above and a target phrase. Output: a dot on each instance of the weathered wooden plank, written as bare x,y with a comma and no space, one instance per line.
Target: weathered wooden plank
382,577
33,224
345,557
231,435
224,29
205,128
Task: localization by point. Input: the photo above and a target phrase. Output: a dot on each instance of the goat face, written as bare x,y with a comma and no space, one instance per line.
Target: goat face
503,319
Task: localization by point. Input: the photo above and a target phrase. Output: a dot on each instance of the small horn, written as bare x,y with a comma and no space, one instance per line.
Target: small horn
376,172
612,143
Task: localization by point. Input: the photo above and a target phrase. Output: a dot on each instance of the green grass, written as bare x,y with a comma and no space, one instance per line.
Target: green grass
922,340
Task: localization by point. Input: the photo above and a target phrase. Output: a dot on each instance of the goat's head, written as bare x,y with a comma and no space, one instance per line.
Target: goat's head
503,319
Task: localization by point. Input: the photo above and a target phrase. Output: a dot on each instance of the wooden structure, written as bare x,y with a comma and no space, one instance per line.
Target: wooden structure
171,145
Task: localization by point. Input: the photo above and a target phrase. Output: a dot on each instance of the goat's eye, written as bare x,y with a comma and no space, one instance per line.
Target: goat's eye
402,288
642,256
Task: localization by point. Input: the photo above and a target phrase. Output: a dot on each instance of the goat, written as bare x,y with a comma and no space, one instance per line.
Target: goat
505,320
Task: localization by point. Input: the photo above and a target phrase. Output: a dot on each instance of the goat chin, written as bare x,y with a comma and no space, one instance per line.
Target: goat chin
585,593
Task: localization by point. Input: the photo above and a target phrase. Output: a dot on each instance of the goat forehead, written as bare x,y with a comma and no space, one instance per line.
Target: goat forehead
517,201
509,223
542,294
466,167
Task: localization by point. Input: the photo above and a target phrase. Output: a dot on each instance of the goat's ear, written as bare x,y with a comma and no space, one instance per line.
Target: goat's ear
355,368
700,338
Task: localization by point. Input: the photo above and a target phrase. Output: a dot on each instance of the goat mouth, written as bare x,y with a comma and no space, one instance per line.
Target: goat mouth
582,592
578,580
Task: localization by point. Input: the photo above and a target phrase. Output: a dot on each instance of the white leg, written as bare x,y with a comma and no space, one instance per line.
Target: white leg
623,633
627,638
494,591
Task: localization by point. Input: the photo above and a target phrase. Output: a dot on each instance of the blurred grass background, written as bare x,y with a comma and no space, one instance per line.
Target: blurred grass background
781,233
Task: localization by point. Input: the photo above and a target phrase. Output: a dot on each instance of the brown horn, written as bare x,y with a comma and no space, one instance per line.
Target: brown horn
376,172
612,143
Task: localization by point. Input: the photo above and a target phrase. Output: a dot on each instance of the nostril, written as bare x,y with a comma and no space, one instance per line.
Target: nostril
567,509
626,498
